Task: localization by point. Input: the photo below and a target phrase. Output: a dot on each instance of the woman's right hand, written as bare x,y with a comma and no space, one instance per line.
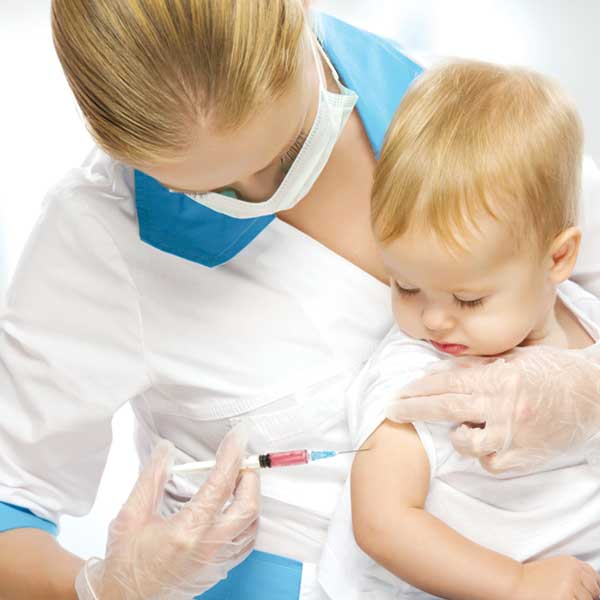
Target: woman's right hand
557,578
152,557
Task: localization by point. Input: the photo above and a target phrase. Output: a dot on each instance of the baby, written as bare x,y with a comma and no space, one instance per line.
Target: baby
474,208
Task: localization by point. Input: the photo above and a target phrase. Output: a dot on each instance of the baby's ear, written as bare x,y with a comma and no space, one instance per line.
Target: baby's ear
563,254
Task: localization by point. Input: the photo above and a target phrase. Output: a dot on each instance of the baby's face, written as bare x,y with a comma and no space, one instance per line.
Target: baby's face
483,302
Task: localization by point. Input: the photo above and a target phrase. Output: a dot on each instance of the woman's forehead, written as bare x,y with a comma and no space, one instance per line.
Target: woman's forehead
218,158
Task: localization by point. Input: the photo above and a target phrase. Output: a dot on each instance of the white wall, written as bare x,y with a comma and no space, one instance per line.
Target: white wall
43,136
557,37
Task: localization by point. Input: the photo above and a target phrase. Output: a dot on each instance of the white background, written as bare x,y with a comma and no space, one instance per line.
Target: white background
43,135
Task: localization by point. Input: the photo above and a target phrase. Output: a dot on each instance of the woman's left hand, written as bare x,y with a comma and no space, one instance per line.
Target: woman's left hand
516,411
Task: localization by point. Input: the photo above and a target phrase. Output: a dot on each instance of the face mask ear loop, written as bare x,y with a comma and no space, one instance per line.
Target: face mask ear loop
317,55
318,49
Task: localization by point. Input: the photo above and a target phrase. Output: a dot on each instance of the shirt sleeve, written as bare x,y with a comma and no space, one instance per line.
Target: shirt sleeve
397,361
345,571
587,269
71,354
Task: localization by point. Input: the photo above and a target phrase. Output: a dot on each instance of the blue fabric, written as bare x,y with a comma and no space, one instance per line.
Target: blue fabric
373,67
261,576
177,224
17,517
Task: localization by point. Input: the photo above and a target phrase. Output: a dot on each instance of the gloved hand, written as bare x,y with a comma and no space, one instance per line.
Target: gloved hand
149,557
535,402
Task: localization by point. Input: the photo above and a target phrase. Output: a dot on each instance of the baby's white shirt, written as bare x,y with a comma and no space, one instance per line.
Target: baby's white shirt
552,511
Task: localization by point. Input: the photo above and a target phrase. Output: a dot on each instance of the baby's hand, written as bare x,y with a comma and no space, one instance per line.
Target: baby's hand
557,578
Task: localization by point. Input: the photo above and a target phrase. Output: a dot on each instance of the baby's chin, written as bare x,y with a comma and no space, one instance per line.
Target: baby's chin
473,349
487,351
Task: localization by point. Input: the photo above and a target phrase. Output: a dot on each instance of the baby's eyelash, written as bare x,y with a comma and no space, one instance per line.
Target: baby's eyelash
468,303
293,151
403,291
462,303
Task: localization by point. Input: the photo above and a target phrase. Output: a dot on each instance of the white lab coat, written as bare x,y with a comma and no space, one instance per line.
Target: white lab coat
96,318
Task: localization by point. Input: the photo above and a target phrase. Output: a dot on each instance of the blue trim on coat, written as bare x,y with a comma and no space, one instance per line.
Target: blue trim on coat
17,517
261,576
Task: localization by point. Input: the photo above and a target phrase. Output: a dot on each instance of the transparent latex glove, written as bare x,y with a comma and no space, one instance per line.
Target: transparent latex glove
150,557
518,410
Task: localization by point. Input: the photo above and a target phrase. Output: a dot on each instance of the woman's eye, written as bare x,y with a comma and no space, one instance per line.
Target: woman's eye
468,303
292,152
404,291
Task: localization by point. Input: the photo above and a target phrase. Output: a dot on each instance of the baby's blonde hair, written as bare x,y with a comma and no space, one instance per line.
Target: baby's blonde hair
471,139
145,72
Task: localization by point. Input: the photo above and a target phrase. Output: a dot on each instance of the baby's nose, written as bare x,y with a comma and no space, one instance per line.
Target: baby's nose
436,318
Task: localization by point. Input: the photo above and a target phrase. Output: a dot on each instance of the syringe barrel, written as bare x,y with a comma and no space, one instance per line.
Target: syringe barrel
289,458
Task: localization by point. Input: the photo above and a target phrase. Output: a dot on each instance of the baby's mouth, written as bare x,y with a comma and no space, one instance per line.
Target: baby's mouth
454,349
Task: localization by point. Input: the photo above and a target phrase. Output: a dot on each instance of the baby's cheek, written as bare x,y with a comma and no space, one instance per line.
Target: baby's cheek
407,319
494,334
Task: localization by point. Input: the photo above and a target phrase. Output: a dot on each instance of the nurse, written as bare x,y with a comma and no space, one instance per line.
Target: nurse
211,262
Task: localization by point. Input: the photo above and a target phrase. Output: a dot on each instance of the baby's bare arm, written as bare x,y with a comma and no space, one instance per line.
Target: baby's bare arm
389,488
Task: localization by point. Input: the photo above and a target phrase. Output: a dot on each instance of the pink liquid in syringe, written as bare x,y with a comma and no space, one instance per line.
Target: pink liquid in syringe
288,459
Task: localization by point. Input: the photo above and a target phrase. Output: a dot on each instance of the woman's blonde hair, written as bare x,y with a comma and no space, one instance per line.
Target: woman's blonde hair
470,139
145,72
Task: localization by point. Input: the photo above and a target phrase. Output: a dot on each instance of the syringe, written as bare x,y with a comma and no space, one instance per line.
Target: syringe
269,460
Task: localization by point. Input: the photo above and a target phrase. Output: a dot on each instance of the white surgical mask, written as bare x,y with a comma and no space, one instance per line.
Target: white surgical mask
332,114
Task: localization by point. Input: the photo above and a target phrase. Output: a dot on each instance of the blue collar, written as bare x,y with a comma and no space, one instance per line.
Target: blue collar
372,66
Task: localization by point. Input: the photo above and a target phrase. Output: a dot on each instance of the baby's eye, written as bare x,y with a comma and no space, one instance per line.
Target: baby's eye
404,291
468,303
